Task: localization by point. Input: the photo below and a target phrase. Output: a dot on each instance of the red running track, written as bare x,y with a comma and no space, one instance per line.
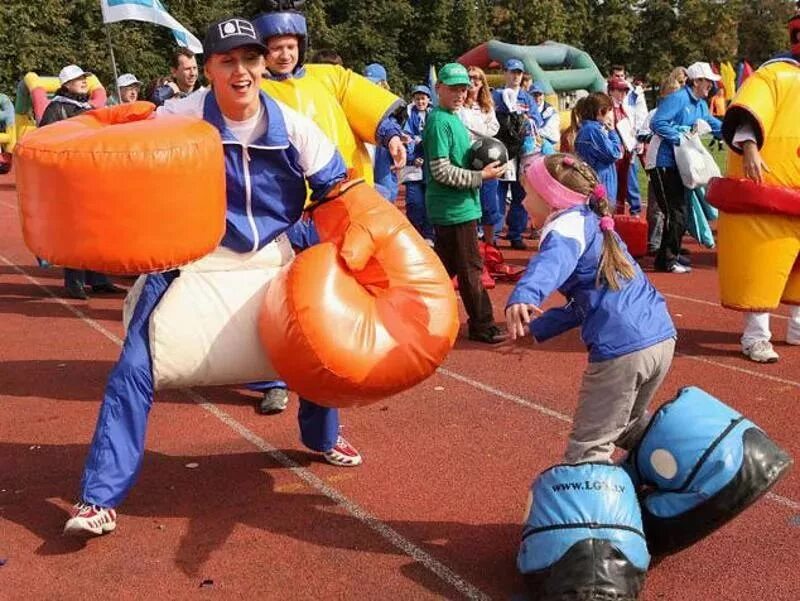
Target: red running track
433,513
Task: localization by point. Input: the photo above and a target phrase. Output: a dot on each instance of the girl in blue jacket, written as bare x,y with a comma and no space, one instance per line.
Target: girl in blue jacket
597,143
624,320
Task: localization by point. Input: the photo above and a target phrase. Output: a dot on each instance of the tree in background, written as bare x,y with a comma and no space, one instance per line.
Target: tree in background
406,36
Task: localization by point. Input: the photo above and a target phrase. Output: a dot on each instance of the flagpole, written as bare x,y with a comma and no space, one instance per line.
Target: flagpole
113,62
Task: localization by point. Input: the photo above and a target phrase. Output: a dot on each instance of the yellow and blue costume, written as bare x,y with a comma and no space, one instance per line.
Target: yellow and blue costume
348,108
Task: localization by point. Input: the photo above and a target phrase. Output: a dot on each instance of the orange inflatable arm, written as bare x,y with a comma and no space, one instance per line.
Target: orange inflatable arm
114,191
366,314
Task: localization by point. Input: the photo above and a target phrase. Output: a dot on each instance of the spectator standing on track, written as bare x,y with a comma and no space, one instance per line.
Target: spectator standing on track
452,200
413,178
676,115
597,142
519,121
479,117
72,99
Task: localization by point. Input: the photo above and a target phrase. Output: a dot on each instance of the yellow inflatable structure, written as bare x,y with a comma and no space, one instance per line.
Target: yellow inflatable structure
346,106
759,224
33,95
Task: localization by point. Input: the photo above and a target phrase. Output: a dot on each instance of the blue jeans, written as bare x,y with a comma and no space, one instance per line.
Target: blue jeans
416,211
492,207
517,219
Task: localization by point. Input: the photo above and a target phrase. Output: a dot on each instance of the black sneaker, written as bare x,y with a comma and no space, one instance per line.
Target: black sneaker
491,336
108,289
685,261
518,245
76,291
274,401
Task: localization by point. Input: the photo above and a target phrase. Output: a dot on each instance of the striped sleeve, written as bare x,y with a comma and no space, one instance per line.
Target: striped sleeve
321,162
447,174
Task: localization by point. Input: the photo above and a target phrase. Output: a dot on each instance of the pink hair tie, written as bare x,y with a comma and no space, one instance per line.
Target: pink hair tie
599,191
568,161
607,223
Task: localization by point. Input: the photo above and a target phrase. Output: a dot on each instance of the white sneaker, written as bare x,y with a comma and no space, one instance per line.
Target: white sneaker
678,268
90,520
793,336
761,351
343,454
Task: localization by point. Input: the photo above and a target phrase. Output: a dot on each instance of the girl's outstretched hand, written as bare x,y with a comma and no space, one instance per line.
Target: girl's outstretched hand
518,317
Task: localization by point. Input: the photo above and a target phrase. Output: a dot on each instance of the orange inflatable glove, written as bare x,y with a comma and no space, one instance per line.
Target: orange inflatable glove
114,191
367,313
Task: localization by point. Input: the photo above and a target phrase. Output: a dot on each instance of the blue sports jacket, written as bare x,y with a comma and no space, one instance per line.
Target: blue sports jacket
612,323
601,149
675,113
265,181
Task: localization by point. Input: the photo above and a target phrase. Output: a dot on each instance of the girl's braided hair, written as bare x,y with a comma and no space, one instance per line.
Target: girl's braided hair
577,175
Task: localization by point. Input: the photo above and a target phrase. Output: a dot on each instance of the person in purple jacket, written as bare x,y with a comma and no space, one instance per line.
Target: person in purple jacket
624,320
598,143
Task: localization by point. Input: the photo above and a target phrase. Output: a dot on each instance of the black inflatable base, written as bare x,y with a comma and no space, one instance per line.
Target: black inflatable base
763,464
591,570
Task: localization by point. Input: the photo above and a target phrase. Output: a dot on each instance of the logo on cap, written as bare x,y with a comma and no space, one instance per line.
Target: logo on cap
234,27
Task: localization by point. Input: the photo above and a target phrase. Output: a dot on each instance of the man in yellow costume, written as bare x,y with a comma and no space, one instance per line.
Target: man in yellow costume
349,109
759,201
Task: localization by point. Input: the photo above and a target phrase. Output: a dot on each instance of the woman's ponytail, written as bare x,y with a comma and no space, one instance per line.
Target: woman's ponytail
613,261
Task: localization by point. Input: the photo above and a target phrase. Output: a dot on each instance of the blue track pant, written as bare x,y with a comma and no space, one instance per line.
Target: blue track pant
117,448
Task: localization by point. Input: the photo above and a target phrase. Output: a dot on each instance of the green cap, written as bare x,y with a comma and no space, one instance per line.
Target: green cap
454,74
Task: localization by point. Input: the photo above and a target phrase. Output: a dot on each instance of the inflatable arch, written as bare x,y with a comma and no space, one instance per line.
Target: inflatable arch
557,67
568,68
33,96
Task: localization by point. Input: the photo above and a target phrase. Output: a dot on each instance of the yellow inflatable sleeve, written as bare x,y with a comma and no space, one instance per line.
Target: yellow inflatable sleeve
771,98
364,103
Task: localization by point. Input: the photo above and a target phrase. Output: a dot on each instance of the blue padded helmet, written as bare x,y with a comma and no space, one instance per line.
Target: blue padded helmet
273,24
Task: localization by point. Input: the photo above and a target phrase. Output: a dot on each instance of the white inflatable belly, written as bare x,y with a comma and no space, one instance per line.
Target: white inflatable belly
204,330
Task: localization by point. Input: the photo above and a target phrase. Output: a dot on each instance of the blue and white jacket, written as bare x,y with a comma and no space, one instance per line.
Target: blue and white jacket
265,181
612,323
675,113
601,149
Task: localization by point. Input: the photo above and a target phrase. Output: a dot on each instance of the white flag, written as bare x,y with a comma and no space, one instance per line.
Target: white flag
150,11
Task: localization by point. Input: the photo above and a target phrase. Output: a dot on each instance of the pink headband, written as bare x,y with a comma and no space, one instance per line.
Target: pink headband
554,193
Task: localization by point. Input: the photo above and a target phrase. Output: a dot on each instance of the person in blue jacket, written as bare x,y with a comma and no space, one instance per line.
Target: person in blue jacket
598,143
676,115
386,181
271,154
413,177
623,319
510,100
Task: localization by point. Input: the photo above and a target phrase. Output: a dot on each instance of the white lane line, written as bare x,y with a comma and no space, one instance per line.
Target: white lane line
742,370
710,304
388,533
781,500
506,395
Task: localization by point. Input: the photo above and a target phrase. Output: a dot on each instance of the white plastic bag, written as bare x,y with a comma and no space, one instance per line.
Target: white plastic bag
695,163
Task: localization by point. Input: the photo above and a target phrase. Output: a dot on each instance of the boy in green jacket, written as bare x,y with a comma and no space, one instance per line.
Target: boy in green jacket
453,203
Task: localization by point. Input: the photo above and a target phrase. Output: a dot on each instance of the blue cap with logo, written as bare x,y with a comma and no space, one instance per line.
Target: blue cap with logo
536,88
514,64
375,72
421,89
228,34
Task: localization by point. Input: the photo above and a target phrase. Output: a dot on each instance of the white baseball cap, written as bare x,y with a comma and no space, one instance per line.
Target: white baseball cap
71,72
701,71
127,79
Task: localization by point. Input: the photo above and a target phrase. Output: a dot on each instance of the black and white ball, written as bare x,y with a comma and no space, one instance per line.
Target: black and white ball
486,151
